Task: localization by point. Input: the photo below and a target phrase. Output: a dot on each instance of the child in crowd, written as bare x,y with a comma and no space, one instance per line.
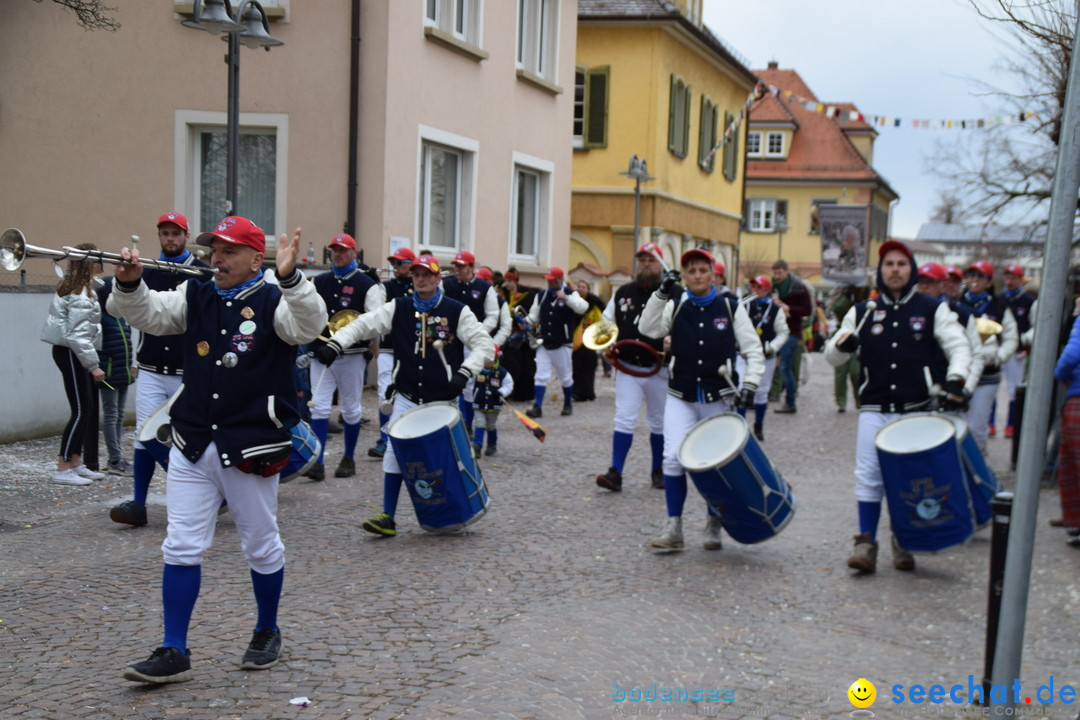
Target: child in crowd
492,385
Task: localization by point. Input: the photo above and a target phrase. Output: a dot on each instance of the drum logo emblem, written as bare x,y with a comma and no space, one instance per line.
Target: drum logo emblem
928,501
424,489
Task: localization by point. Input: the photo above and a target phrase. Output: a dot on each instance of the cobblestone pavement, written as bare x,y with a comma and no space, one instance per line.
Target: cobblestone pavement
548,607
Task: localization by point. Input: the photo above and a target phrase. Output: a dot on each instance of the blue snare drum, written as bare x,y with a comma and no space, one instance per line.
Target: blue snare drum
929,499
732,473
981,479
305,451
435,456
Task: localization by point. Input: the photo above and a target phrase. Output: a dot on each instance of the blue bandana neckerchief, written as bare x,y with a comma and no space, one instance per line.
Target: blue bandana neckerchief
182,257
426,305
978,301
1012,293
342,272
230,293
766,301
702,301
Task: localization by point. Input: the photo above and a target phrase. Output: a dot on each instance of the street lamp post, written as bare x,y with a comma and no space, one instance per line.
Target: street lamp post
638,170
250,26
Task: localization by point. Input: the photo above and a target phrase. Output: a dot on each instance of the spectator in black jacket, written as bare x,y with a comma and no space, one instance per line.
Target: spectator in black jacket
117,358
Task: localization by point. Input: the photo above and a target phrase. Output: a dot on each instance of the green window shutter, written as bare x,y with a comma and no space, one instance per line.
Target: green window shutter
687,109
672,104
714,117
731,149
596,106
703,132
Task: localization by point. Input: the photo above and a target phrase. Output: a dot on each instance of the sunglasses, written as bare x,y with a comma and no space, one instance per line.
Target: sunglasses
398,263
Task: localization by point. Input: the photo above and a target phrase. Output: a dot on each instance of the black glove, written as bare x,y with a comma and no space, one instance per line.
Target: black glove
746,398
849,344
955,398
668,282
458,382
326,353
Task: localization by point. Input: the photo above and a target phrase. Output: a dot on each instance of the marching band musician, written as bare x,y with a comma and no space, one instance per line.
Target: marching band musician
707,330
979,298
897,336
505,324
932,279
161,368
630,390
344,287
429,333
1023,306
480,297
772,327
555,312
397,285
231,422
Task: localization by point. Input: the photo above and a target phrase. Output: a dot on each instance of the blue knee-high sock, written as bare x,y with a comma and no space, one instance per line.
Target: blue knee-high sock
675,493
1012,412
568,394
321,428
869,514
759,413
466,410
493,437
620,448
352,432
656,442
383,419
993,413
741,410
179,591
538,391
391,490
159,452
478,435
267,596
142,471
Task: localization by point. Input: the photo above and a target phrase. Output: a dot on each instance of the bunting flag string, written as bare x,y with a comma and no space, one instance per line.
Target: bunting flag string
886,121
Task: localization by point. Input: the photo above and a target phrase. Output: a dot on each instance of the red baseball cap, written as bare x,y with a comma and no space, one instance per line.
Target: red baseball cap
762,281
934,272
343,241
894,245
236,230
719,268
175,218
554,273
464,258
981,267
651,248
403,254
485,274
1015,270
698,254
953,271
428,262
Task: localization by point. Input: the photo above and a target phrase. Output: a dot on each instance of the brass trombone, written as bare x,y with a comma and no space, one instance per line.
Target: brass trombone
14,250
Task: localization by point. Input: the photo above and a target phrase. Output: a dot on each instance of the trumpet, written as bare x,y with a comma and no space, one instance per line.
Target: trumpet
14,250
600,335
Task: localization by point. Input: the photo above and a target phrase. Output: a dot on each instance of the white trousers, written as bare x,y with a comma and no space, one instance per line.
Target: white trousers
558,359
194,492
1014,373
389,459
761,395
679,416
151,390
347,375
978,414
633,392
869,486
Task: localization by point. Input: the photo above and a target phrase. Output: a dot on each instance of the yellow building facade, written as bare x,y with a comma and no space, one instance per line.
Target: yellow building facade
659,86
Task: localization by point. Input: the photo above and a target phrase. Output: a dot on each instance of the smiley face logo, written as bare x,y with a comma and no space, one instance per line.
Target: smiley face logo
862,693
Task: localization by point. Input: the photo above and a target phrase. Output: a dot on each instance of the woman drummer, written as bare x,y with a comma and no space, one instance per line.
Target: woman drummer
707,331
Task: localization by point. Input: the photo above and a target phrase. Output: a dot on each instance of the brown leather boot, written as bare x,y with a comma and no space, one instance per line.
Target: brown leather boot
901,559
864,559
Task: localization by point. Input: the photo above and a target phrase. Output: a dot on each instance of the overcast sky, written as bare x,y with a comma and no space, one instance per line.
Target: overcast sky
909,59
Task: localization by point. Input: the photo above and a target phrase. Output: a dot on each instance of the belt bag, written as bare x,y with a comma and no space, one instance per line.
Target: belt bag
552,345
266,465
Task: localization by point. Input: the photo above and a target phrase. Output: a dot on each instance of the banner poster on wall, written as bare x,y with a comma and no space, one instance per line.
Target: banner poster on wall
845,234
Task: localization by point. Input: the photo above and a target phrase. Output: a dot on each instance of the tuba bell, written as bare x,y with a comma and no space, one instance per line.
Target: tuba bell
987,328
339,320
600,335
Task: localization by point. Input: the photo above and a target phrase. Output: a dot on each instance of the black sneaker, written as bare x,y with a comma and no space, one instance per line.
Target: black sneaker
611,480
263,650
381,524
129,512
317,472
658,478
491,450
345,468
534,411
165,665
379,450
759,432
785,409
476,448
567,409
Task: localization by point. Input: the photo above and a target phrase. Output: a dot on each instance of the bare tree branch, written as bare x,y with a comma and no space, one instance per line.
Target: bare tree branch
90,14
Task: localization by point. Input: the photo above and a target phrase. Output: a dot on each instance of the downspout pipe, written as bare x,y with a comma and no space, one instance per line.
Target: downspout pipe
354,122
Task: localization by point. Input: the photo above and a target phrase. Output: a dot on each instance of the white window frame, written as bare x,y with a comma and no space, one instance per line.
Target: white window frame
762,215
187,126
537,40
467,148
767,149
460,18
581,87
544,170
753,139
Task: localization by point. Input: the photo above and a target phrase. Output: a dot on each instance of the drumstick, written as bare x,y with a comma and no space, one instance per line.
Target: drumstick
725,372
318,384
870,306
